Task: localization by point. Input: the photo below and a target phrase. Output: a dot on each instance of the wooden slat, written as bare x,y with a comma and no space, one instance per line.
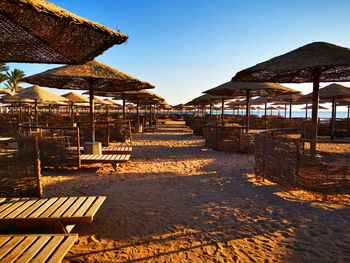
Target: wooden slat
4,239
41,209
32,208
17,251
5,205
11,208
62,249
63,207
34,249
2,199
9,245
74,207
81,211
48,249
53,207
21,209
96,205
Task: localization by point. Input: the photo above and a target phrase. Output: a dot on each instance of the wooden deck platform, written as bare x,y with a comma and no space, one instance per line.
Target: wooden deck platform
116,150
35,248
61,213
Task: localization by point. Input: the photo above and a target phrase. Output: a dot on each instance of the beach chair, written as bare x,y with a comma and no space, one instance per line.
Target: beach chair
60,213
113,159
35,248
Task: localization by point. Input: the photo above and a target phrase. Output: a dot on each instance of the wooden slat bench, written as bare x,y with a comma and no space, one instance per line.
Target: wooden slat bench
62,213
113,159
35,248
116,150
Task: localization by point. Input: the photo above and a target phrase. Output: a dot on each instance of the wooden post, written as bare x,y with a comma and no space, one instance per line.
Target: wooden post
92,113
222,111
348,123
78,146
124,107
36,112
38,166
334,106
306,111
315,101
137,112
290,110
265,115
247,110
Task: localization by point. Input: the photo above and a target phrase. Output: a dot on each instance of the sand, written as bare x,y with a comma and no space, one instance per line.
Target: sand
176,201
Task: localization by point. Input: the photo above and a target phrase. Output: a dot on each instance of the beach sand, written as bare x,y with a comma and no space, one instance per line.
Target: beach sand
176,201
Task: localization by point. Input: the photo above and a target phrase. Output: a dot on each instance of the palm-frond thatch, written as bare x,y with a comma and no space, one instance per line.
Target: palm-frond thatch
81,77
297,66
36,31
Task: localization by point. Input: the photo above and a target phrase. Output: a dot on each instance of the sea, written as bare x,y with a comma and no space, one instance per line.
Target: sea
322,114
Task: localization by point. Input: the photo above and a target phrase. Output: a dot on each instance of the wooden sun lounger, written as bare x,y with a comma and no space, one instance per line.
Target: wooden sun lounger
113,159
116,150
35,248
62,213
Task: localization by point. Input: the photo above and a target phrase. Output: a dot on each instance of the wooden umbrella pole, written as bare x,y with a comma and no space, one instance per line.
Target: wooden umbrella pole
265,114
333,117
124,108
290,110
306,106
222,111
247,110
92,112
348,123
285,110
36,112
150,115
137,112
315,101
211,110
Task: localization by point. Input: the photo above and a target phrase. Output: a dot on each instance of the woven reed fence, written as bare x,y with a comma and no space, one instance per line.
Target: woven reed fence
289,161
20,172
228,139
59,147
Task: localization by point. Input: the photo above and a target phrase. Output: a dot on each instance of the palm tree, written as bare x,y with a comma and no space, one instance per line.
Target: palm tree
14,79
3,68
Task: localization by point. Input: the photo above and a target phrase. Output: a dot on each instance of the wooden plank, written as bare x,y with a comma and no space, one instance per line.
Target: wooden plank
53,207
48,249
11,208
10,245
75,206
34,249
32,208
20,209
5,205
18,250
63,207
96,205
2,199
81,211
4,239
62,250
43,207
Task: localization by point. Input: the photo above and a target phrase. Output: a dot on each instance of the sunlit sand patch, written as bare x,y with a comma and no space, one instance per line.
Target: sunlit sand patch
330,202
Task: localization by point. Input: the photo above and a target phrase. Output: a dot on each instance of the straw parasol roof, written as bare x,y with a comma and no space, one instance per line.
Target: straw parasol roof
135,95
81,77
208,98
331,91
320,107
36,93
76,98
36,31
298,66
239,89
113,103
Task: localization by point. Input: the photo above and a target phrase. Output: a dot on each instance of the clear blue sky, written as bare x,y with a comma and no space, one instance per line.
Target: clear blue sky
187,46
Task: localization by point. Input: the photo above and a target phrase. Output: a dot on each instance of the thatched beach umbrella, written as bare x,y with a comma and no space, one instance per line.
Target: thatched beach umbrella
331,92
76,99
271,108
36,31
290,98
316,62
92,76
248,90
6,92
36,94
